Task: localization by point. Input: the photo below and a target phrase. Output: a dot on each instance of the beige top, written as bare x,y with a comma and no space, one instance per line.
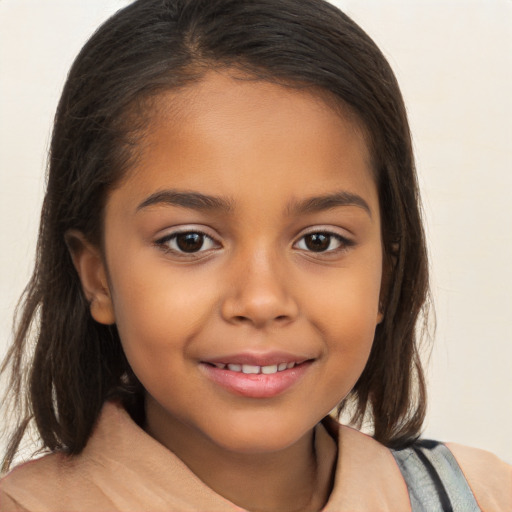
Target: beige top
124,469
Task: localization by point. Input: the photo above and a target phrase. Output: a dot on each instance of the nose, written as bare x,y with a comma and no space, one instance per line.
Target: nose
259,292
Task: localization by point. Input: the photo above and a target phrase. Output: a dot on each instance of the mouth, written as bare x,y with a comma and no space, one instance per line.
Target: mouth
250,369
262,380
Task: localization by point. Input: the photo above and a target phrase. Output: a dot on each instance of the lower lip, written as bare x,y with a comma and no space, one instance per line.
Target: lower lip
258,385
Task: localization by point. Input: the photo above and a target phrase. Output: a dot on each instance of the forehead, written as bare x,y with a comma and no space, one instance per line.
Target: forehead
234,136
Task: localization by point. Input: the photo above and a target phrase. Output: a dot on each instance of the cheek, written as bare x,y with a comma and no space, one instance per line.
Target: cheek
157,309
349,301
346,313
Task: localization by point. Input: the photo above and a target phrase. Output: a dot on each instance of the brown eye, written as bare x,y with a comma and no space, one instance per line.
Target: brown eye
190,242
322,242
187,242
317,242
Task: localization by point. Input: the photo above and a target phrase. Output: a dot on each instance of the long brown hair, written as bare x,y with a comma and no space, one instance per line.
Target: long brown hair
156,45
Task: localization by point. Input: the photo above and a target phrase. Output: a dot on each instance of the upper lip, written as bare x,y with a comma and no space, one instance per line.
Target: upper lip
259,359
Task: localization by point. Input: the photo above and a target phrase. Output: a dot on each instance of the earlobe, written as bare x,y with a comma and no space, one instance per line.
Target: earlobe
89,264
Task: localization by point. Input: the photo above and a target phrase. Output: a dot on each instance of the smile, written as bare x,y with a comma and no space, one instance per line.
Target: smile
254,369
256,381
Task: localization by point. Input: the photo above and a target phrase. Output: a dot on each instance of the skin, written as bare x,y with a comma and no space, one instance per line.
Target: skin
255,285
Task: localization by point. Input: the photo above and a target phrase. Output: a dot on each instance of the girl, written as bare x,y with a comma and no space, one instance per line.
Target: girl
230,248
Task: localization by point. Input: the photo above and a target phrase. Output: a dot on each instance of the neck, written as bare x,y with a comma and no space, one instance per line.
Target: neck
289,480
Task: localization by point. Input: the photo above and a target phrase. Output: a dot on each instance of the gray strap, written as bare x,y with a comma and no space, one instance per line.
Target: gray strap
434,479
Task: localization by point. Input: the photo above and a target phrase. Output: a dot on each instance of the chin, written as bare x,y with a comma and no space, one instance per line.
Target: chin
259,437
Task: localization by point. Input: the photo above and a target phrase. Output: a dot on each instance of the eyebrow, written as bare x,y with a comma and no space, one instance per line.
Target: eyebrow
327,202
203,202
191,200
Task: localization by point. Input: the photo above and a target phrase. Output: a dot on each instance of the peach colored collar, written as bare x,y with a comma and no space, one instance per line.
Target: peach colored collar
124,469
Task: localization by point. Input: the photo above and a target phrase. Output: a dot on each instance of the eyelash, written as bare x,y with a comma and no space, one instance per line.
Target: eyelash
165,242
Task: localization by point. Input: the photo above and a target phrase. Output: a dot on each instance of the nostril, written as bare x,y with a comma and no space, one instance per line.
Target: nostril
244,319
253,308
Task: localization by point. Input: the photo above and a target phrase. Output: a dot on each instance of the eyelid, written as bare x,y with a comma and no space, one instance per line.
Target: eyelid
328,230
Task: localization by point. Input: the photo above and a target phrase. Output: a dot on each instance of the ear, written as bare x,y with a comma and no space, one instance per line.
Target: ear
91,270
380,314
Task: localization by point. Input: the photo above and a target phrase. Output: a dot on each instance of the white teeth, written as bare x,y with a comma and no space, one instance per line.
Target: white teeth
267,370
253,369
248,368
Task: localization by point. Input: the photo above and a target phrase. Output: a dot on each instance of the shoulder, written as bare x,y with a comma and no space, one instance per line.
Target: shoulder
38,478
366,474
58,481
8,504
488,476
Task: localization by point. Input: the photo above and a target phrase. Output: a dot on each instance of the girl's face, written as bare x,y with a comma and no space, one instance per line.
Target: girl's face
244,263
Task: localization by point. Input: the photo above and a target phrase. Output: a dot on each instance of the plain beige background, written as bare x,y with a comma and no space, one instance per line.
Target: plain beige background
453,59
